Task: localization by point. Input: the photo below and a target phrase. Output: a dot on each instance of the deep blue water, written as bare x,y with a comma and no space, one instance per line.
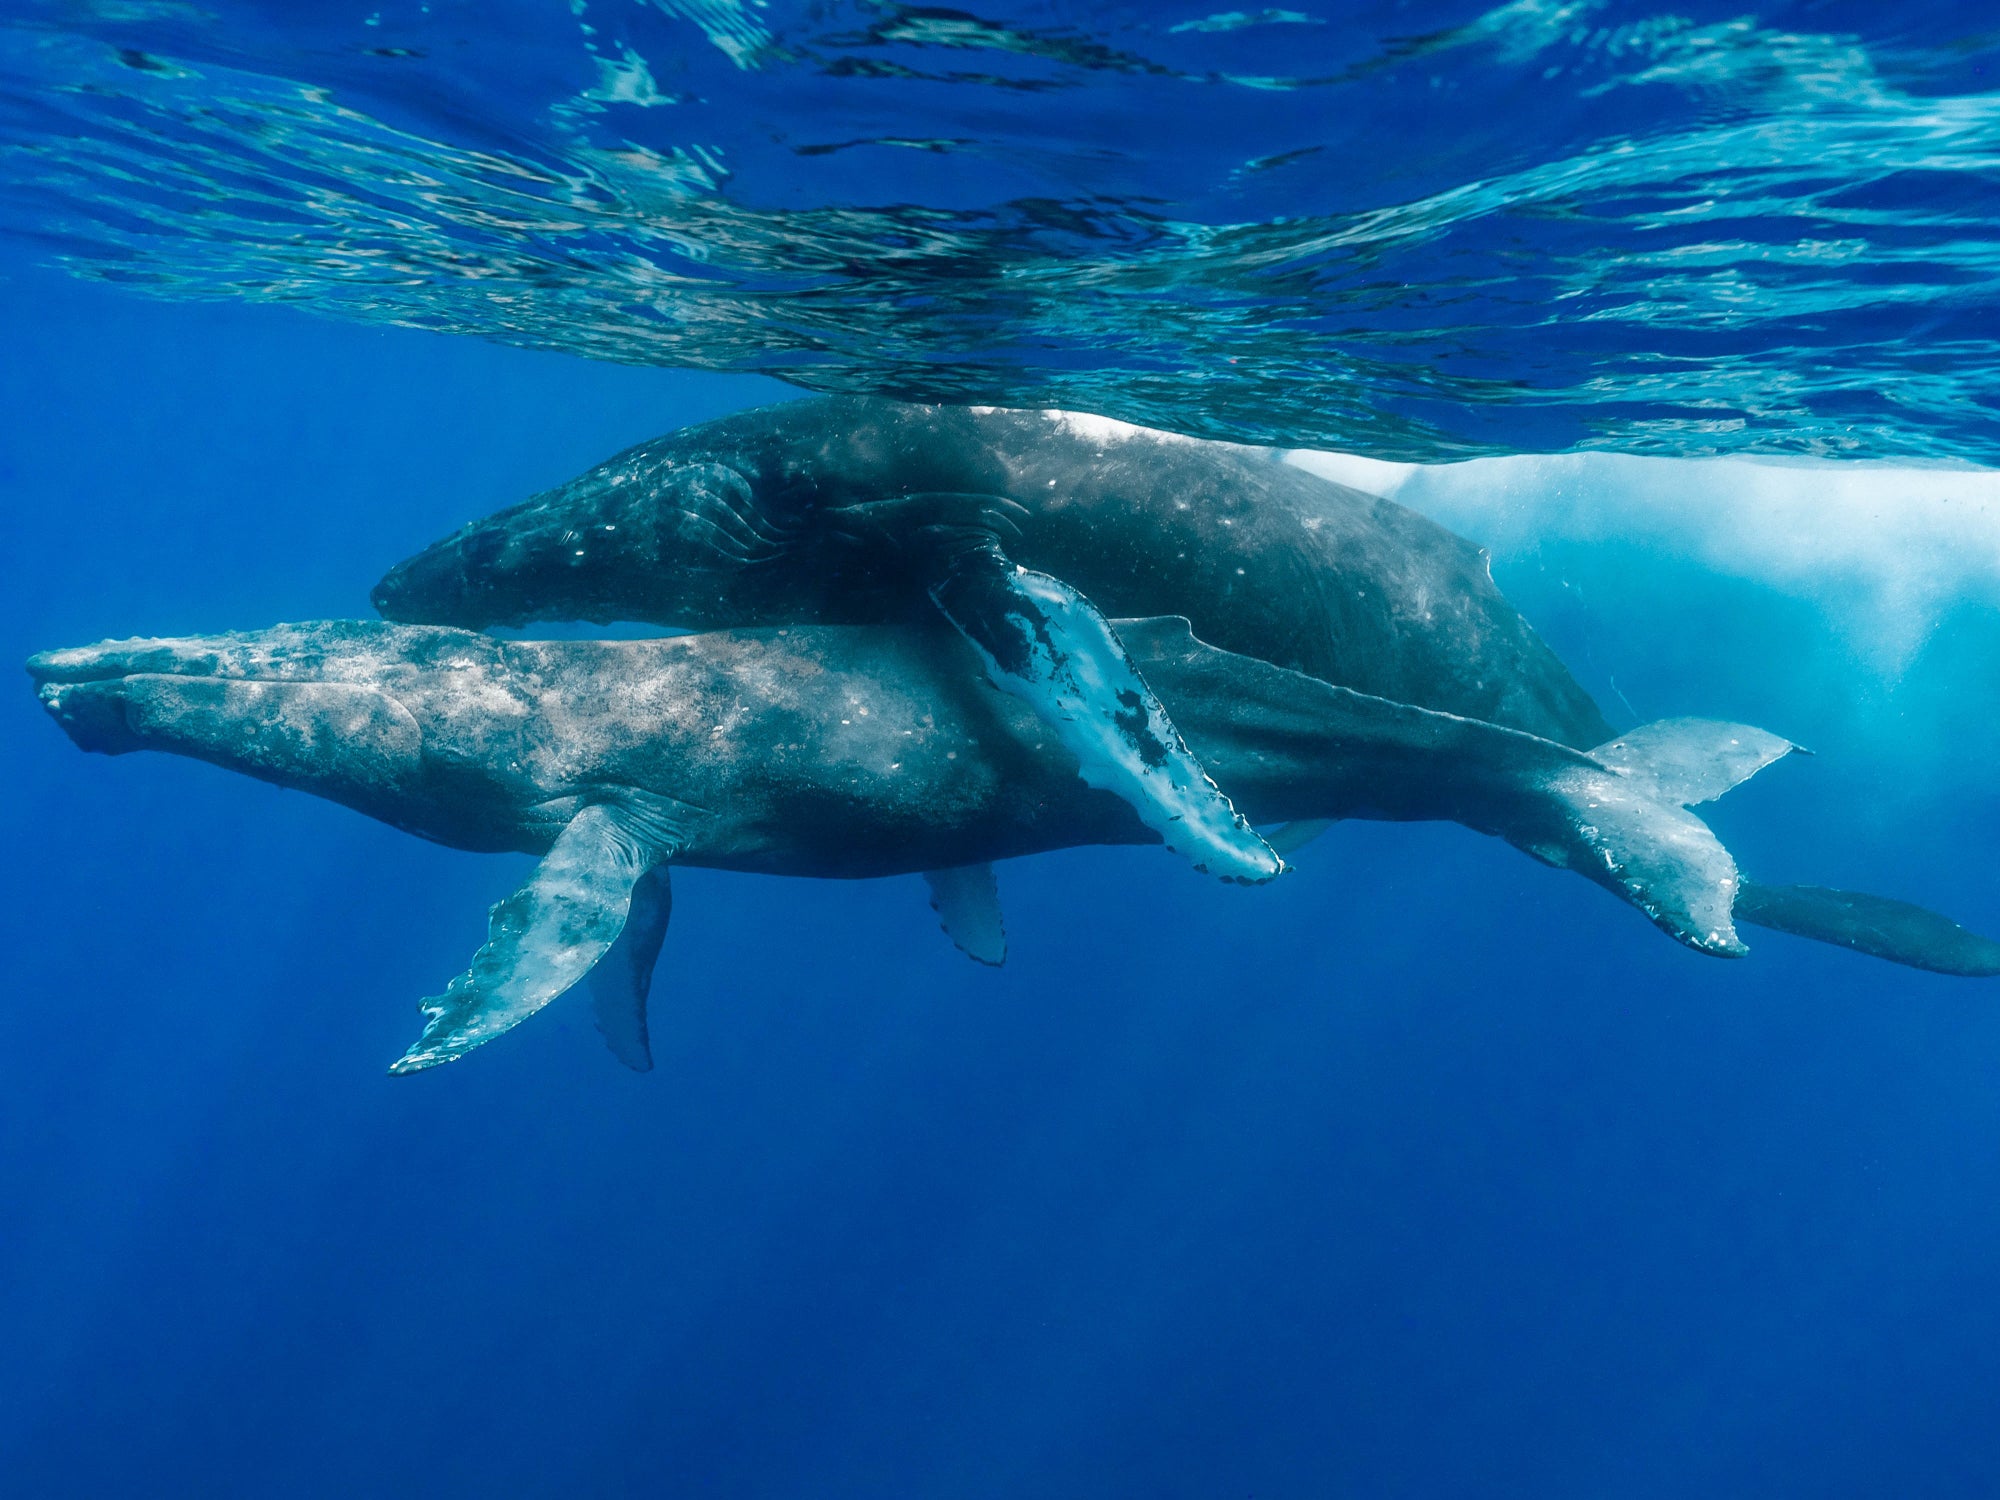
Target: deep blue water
1424,1171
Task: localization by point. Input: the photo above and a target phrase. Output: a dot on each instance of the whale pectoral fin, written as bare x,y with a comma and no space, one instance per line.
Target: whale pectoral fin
542,939
1876,925
967,901
622,979
1048,645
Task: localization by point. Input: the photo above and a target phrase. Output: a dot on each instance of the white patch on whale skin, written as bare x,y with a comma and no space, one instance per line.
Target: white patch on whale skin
1095,429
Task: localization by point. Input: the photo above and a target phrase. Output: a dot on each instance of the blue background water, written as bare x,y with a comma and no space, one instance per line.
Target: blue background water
1426,1171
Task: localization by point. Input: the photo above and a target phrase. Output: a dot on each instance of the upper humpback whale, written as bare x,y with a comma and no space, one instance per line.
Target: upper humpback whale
862,751
1024,528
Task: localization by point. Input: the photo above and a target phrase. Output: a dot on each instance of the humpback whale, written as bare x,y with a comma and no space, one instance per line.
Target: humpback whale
1023,529
839,509
857,751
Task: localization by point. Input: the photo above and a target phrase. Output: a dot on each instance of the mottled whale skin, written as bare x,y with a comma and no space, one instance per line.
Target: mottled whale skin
840,751
740,521
825,751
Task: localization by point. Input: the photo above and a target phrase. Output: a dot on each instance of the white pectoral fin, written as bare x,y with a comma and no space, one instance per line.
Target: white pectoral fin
623,978
1045,643
967,901
543,938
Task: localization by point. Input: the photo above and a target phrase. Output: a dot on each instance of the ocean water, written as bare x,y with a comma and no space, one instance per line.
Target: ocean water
1423,1171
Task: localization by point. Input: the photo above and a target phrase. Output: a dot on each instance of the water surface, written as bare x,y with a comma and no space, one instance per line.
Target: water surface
1419,231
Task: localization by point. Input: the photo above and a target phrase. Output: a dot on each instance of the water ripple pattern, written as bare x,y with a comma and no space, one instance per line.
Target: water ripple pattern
1418,231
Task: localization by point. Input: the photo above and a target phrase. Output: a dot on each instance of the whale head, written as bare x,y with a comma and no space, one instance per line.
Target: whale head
385,719
587,551
648,535
489,573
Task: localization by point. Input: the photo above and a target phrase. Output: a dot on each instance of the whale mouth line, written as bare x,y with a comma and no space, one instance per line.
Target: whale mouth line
318,732
49,677
120,661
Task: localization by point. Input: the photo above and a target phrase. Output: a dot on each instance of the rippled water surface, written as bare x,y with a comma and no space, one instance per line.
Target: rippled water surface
1420,231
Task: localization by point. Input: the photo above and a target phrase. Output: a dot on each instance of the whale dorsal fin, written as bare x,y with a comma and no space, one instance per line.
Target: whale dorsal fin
967,901
548,934
623,978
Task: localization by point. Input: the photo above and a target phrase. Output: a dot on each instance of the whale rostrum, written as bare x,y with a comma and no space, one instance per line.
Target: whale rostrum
858,751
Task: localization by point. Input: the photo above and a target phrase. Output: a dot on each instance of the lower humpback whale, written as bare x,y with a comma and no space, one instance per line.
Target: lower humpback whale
852,751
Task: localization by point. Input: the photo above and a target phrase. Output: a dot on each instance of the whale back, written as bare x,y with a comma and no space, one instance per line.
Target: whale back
1271,561
737,522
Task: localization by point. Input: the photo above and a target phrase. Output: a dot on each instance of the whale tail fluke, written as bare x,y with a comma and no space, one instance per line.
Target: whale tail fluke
1691,761
1624,808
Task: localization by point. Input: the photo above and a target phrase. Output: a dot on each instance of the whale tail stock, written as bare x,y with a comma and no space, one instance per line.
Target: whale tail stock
1616,814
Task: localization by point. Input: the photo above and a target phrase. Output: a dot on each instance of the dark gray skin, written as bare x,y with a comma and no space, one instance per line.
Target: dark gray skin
840,751
820,510
794,514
